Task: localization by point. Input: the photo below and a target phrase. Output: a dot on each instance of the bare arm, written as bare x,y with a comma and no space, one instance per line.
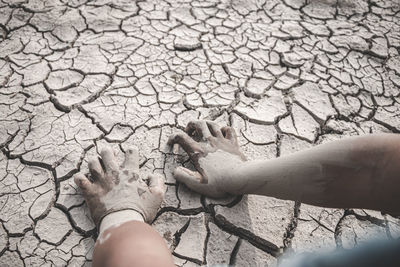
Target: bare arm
358,172
133,243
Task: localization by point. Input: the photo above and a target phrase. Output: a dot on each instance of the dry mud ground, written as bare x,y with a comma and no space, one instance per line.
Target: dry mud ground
78,75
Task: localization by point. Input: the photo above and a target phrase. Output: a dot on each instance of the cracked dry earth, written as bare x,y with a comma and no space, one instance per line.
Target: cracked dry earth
286,74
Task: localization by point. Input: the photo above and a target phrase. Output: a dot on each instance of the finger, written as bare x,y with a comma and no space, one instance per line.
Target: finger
95,168
83,183
188,144
198,127
191,179
132,159
108,158
156,184
214,129
230,134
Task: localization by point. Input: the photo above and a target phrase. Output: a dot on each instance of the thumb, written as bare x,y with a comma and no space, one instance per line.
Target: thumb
193,180
187,176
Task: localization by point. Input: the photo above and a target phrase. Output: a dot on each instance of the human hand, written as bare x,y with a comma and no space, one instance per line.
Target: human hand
113,188
215,158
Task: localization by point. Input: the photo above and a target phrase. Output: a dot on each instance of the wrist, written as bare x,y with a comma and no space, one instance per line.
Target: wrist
248,177
267,178
236,180
117,218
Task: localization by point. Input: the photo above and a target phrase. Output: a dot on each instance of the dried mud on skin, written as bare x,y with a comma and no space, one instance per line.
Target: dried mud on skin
78,75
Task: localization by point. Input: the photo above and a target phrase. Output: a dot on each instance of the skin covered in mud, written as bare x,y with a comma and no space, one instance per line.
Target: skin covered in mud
120,201
117,188
362,170
216,155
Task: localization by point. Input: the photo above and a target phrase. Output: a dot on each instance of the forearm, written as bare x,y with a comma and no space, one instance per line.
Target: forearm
125,241
359,172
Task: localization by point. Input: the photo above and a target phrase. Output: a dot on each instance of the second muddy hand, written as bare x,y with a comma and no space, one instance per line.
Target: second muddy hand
357,172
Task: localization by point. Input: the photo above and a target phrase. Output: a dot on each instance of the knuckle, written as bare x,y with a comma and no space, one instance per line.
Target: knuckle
178,138
79,177
77,180
92,162
158,191
229,129
196,123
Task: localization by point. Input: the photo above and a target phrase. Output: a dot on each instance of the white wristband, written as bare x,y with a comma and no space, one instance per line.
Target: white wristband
117,218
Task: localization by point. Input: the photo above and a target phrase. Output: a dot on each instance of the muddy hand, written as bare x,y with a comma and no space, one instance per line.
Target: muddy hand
215,157
113,188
